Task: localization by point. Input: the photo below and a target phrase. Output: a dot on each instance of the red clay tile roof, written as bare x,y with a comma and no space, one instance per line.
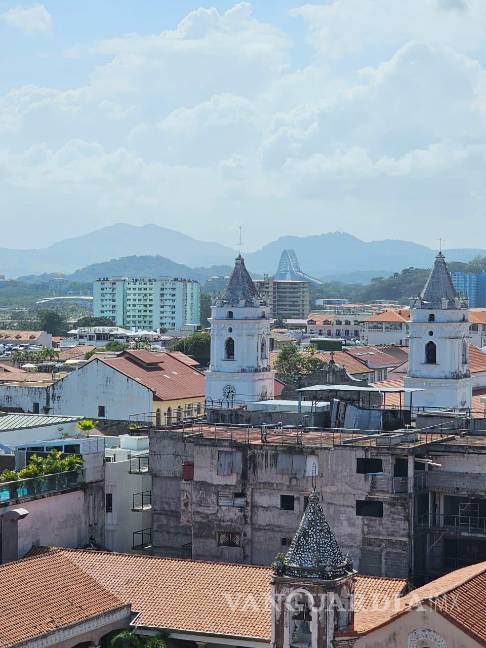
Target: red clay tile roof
19,336
352,365
477,316
460,596
45,593
391,315
165,375
197,596
184,358
372,356
477,359
75,353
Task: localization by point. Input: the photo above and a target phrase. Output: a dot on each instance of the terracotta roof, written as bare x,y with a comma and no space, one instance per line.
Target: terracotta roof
372,356
352,365
477,315
459,596
196,596
477,359
184,358
321,318
47,592
400,353
165,375
75,353
391,315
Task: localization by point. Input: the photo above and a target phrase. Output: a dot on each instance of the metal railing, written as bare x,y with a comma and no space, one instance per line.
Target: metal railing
142,539
472,525
142,501
44,484
139,465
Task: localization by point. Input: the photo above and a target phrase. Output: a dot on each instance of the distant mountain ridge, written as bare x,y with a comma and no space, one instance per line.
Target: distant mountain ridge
325,255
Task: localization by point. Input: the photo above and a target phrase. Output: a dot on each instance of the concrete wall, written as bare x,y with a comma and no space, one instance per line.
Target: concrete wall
81,392
14,438
185,510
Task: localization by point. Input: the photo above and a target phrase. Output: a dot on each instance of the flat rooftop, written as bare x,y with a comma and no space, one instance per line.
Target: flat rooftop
316,438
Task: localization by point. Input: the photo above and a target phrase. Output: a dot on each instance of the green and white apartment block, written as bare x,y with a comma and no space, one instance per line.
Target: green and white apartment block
143,303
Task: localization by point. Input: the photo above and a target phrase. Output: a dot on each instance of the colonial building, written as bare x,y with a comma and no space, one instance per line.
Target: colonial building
240,344
439,344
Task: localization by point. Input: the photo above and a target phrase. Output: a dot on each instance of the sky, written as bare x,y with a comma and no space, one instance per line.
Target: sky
365,116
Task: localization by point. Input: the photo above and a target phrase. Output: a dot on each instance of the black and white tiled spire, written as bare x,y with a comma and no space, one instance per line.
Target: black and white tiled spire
439,291
315,552
241,290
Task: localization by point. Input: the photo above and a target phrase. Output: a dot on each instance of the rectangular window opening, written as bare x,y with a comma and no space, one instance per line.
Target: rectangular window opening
369,508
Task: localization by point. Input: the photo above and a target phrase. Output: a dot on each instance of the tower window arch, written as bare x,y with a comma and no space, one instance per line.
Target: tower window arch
229,349
464,352
431,353
263,349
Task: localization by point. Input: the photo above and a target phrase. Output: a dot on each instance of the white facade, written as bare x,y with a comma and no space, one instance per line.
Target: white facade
144,303
395,333
128,493
439,345
240,337
95,390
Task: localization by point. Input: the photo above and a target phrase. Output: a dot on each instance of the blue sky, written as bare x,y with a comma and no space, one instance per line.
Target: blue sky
365,116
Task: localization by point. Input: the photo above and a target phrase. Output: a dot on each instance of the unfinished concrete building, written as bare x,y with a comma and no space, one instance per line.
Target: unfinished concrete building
405,503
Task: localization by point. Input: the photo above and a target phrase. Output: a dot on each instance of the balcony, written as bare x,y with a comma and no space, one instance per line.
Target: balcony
139,465
457,524
142,539
142,501
38,486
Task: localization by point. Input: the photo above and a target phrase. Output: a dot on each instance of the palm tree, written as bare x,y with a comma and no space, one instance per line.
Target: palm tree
125,639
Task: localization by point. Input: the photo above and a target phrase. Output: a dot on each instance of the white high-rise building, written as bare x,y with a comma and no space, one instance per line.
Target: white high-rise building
240,336
147,303
439,344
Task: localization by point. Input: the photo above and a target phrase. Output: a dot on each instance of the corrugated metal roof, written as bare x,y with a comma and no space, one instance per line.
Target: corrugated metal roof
24,421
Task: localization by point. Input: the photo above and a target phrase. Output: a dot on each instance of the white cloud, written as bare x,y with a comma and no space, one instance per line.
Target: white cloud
32,19
216,122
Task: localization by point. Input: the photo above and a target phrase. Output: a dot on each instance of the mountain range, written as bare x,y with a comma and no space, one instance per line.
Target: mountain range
131,249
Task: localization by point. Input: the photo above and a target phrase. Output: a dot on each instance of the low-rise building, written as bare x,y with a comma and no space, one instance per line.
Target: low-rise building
346,327
130,386
128,493
389,327
25,338
311,597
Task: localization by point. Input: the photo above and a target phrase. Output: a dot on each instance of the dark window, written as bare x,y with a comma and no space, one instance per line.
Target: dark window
73,448
228,539
109,502
366,466
35,408
287,502
430,353
101,411
229,349
285,542
306,501
400,468
369,508
431,317
230,314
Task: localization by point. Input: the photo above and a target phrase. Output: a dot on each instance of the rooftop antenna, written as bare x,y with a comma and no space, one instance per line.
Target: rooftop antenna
441,241
240,240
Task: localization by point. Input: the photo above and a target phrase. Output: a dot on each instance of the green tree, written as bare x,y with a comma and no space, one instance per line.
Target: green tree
115,346
94,321
125,639
293,364
205,309
196,346
52,322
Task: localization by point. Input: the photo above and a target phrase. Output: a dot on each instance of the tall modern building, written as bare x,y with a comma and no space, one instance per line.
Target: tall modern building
148,304
289,269
288,299
472,286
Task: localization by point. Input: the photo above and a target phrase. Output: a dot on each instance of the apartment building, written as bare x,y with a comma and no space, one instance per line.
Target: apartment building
471,285
145,303
285,298
404,504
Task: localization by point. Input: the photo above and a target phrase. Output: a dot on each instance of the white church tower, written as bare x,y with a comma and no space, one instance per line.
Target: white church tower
239,371
439,344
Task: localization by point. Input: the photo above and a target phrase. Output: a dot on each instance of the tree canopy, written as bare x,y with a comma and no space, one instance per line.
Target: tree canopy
196,346
293,364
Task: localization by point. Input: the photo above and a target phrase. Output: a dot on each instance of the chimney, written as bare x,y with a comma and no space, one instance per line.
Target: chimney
10,534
